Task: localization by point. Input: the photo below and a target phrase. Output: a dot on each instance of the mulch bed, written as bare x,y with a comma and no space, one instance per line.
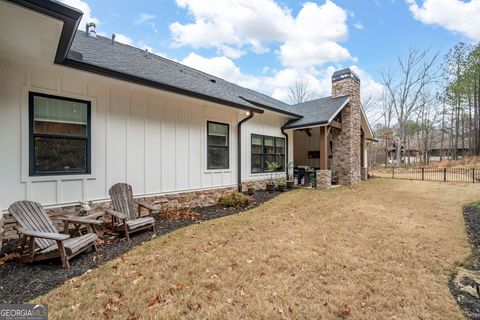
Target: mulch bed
468,303
21,282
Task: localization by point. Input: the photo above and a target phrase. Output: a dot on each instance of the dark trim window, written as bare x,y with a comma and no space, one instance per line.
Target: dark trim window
60,133
267,149
217,145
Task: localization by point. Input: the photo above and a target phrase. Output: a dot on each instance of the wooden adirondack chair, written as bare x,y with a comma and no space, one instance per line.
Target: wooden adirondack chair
45,242
126,211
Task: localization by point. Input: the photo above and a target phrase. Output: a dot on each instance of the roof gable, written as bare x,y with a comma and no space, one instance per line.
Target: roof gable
317,112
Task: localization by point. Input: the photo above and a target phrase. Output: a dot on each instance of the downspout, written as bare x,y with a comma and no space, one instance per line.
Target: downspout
239,147
286,153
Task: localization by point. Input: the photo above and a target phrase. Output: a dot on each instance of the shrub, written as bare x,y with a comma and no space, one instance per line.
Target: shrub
281,183
235,199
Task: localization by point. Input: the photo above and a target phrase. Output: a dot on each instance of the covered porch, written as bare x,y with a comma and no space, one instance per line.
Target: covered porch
317,151
327,154
330,142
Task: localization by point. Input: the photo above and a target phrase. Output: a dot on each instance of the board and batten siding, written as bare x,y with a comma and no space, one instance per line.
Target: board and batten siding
151,139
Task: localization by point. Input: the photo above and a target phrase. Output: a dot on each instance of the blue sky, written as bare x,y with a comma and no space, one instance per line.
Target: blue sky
267,45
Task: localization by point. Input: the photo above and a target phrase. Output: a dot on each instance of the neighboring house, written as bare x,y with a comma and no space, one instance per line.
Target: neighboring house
436,147
79,113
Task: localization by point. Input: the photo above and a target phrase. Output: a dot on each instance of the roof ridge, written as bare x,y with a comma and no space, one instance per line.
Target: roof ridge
184,66
174,73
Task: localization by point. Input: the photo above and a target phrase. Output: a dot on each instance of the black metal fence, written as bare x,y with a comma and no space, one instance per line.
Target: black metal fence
429,174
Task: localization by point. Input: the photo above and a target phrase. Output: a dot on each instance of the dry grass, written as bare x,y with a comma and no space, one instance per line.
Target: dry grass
381,250
467,163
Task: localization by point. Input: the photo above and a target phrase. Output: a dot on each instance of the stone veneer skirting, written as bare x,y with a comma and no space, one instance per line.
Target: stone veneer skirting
364,173
324,178
200,198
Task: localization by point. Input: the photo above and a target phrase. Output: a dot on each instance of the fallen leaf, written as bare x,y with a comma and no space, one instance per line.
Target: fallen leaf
344,312
249,260
194,306
154,302
131,274
176,286
133,316
75,306
104,312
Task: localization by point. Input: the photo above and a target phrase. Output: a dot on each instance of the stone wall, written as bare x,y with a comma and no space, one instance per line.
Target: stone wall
324,178
346,151
173,201
259,184
364,173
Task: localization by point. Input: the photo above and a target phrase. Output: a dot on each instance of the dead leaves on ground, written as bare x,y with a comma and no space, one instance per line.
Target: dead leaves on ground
157,300
112,304
8,257
165,298
179,214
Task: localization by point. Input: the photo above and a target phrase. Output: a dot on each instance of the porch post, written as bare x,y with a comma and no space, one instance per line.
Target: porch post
323,148
324,176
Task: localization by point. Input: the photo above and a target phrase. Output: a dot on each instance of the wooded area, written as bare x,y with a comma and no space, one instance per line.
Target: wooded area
430,107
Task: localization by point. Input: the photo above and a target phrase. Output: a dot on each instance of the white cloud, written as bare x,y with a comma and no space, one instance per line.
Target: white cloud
454,15
310,38
123,39
144,17
358,25
87,12
221,67
277,82
231,52
308,53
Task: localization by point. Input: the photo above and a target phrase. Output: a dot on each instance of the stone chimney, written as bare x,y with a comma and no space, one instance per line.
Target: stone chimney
346,146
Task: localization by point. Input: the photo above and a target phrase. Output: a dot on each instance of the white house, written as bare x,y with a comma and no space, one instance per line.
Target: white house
80,112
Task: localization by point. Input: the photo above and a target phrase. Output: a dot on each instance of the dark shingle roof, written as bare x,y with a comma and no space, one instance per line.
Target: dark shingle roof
316,112
100,51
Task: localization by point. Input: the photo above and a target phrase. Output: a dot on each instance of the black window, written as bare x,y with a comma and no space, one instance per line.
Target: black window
267,149
218,145
59,135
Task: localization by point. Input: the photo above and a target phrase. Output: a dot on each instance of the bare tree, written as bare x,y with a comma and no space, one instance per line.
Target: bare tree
301,91
405,84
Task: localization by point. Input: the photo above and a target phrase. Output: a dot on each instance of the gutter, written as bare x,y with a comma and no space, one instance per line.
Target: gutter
286,152
239,150
264,106
285,126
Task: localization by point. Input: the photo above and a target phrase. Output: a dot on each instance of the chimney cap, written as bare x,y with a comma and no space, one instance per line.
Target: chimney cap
343,74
